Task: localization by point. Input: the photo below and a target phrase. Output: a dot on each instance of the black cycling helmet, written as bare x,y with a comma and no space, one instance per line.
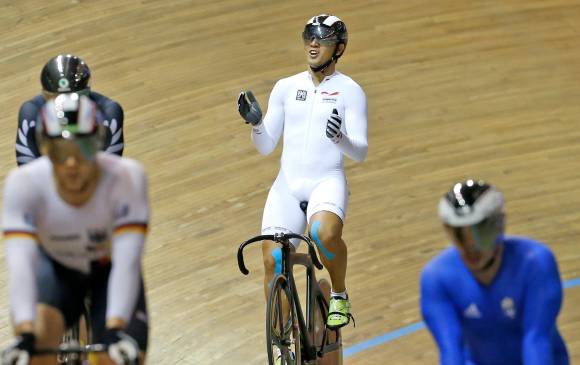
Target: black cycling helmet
475,204
65,73
326,29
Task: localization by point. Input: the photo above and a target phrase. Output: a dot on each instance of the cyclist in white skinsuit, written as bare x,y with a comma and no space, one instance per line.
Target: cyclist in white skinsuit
323,116
74,225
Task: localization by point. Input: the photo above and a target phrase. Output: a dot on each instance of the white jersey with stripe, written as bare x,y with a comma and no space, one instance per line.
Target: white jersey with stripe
300,109
75,236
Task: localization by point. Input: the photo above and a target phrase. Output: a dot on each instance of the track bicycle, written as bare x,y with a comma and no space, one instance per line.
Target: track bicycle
293,338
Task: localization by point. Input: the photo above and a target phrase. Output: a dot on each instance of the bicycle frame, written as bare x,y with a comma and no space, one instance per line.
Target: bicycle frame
290,258
313,294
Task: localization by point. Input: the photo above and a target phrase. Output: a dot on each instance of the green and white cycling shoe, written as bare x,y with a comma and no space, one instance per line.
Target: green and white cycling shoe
338,313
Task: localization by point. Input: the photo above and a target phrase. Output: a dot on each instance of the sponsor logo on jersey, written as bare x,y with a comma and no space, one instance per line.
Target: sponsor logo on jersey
301,95
508,307
98,236
329,97
472,311
65,237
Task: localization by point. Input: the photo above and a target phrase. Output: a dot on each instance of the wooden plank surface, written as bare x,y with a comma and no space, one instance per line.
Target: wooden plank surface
455,88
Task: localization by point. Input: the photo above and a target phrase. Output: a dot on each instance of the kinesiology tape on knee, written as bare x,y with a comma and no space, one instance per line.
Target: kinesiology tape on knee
277,255
314,233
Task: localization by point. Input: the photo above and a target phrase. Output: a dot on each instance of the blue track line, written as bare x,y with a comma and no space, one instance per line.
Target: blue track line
412,328
571,283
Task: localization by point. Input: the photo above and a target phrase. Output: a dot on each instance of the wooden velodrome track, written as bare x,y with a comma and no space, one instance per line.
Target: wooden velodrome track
455,89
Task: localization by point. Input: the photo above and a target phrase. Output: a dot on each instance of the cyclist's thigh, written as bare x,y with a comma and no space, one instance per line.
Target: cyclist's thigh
330,195
137,327
60,288
282,213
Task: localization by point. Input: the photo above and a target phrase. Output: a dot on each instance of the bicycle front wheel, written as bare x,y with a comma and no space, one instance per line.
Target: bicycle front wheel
282,329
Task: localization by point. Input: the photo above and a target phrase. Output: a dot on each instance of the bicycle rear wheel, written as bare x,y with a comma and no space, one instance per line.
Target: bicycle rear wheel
282,330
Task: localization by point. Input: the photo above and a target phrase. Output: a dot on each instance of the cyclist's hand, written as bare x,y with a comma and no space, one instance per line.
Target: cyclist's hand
333,127
18,353
249,108
123,349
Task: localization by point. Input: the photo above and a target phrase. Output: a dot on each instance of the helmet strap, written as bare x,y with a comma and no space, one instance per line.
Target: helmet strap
488,264
322,67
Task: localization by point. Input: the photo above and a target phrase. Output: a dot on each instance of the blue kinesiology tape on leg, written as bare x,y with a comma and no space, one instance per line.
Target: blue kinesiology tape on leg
277,255
314,233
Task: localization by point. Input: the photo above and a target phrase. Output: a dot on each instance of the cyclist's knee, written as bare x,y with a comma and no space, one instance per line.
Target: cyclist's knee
269,263
326,233
273,261
326,238
50,326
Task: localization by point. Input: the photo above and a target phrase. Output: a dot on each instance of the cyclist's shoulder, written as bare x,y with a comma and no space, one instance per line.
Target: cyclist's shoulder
347,82
296,79
98,97
122,168
444,264
30,108
527,249
287,85
36,170
105,103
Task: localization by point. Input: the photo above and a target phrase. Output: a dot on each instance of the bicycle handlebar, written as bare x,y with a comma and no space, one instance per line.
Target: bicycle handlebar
71,349
284,240
64,349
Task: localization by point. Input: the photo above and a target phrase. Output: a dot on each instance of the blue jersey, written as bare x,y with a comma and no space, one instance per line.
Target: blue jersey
109,113
511,321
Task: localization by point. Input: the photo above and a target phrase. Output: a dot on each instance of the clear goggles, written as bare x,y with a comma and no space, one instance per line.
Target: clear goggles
81,148
486,234
325,36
